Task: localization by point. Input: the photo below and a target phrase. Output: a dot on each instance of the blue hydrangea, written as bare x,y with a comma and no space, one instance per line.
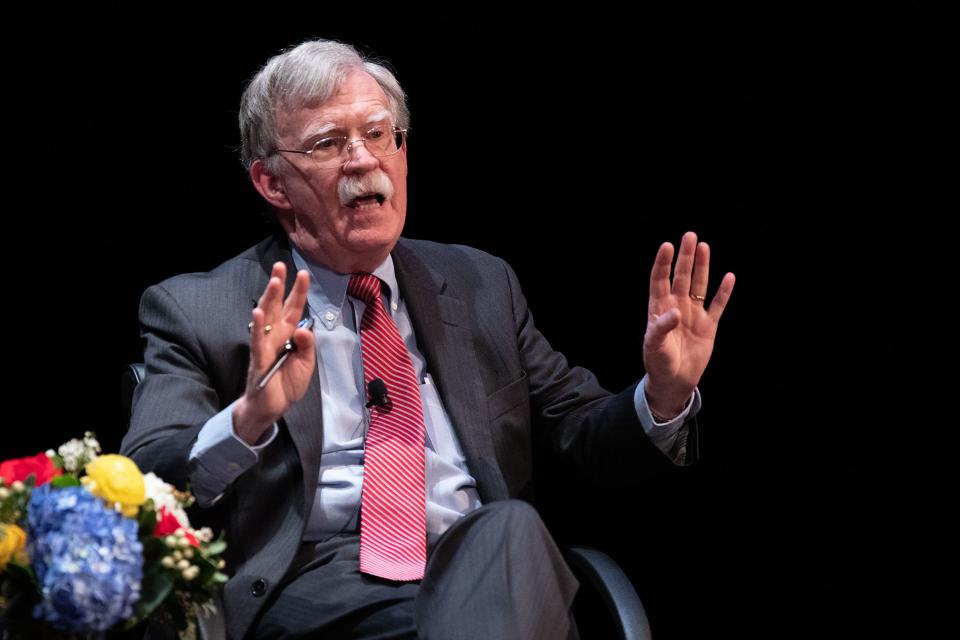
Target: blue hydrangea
88,560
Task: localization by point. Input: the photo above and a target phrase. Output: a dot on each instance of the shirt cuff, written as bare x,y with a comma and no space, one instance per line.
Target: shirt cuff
219,457
663,434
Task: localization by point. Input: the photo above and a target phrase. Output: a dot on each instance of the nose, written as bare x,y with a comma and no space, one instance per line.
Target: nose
359,158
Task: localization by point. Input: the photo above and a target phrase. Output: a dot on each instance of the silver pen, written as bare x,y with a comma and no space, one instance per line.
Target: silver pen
285,351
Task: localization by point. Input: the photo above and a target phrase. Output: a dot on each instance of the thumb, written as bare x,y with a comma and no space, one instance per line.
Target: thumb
660,326
303,339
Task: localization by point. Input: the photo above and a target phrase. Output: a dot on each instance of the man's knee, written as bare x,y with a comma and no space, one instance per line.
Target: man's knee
515,520
499,576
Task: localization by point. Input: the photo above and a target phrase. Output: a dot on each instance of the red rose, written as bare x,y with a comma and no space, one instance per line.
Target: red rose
20,468
167,524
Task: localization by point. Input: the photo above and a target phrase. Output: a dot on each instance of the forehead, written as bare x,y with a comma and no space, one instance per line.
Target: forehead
357,99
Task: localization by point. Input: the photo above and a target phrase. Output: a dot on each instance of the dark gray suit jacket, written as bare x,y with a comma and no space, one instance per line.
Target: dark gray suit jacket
506,390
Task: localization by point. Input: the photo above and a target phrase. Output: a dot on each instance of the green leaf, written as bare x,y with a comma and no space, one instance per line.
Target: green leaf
207,569
215,548
65,480
153,549
147,520
156,586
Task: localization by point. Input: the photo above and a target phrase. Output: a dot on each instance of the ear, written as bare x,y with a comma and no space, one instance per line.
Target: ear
269,185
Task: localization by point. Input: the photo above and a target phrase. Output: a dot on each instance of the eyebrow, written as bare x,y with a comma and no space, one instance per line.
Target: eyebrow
327,127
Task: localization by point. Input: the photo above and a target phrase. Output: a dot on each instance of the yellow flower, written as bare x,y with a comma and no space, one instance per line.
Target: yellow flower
12,541
117,480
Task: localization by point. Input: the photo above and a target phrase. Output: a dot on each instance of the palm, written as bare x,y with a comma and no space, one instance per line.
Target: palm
680,329
291,380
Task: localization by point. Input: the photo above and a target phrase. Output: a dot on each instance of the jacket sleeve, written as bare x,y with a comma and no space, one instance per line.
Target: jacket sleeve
176,398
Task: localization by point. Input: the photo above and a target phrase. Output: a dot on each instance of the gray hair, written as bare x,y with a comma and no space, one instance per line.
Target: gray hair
308,74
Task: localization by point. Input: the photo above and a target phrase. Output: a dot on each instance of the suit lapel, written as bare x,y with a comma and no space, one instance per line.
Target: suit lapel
441,322
304,420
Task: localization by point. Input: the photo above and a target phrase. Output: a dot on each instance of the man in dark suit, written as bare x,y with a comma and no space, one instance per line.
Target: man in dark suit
281,466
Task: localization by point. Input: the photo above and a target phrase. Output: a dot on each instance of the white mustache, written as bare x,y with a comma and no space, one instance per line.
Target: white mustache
352,187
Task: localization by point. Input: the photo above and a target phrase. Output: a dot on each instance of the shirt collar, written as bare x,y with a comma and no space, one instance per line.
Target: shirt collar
328,289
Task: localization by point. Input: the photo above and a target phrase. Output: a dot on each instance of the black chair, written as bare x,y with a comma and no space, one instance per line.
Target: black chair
604,585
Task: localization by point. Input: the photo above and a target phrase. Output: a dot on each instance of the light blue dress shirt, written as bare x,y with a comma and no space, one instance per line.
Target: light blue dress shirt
219,456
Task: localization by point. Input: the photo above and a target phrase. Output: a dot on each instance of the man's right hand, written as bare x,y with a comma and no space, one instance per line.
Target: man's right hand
257,410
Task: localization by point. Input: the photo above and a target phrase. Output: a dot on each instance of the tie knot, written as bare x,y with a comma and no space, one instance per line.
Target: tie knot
364,286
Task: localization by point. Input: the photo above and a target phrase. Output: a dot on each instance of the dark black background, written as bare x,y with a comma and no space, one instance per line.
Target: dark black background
807,146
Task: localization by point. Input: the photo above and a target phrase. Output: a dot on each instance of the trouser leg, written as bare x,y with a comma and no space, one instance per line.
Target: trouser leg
329,598
496,573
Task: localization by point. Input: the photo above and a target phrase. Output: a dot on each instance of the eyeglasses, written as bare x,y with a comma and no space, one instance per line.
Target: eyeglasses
382,140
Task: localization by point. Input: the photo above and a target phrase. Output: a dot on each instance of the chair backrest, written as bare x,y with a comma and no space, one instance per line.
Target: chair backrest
131,375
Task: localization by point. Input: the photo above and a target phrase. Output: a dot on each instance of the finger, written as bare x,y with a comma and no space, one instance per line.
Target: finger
293,306
658,329
701,270
660,274
269,300
719,302
276,300
684,268
272,296
304,340
257,339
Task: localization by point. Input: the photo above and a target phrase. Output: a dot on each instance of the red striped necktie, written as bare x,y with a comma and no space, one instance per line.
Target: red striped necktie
393,502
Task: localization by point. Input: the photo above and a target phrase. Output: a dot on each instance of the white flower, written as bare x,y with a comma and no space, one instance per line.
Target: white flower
91,442
76,453
162,495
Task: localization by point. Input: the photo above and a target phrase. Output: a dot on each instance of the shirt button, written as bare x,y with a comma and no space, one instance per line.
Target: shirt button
259,588
393,306
329,316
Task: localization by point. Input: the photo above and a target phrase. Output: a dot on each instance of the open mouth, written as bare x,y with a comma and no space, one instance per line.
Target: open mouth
369,200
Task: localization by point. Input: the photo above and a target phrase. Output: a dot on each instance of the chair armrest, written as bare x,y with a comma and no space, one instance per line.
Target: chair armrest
609,580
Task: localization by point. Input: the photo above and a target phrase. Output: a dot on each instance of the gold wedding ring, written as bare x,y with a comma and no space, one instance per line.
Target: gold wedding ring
698,299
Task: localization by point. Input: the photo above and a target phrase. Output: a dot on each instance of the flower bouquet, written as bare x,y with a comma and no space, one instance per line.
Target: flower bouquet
89,544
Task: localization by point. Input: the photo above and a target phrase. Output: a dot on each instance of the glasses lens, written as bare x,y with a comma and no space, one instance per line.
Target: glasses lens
380,140
328,151
398,139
